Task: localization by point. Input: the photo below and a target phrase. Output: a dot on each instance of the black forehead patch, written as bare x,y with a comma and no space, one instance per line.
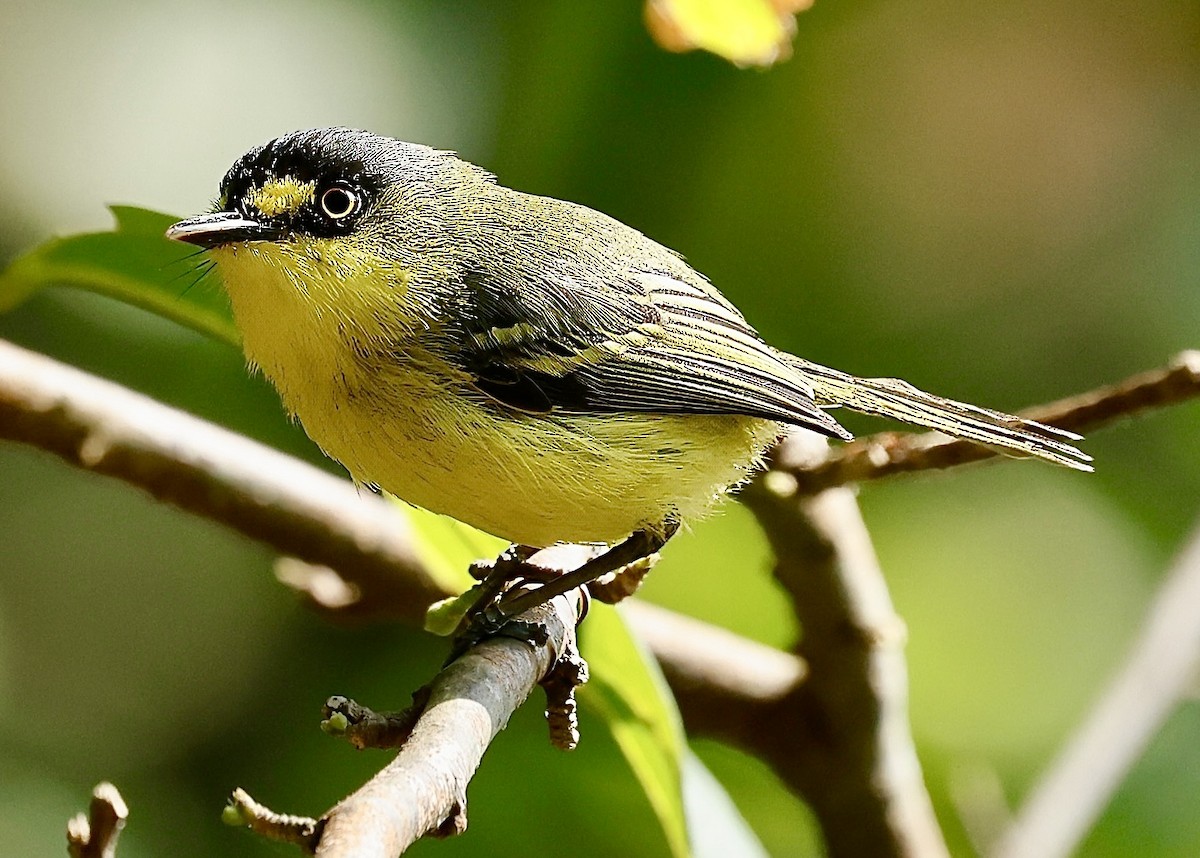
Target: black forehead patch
364,163
320,156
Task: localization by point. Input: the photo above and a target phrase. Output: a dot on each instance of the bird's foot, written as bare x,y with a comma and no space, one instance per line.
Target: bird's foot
503,581
507,589
622,583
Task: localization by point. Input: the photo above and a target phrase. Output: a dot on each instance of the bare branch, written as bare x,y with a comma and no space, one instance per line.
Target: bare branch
1159,672
891,453
302,831
841,738
191,463
715,675
845,723
423,790
95,835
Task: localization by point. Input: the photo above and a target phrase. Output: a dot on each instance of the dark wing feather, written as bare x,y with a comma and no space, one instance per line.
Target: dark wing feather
647,343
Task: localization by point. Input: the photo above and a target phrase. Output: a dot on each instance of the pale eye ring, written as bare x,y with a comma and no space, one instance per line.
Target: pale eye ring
339,202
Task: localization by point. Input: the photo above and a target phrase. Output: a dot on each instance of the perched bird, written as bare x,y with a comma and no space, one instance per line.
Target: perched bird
523,364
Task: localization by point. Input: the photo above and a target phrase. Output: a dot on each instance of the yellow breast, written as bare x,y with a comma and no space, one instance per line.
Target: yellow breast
539,479
400,420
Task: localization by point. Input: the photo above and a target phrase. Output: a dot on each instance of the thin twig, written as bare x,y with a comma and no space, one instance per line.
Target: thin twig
301,831
889,453
363,727
1159,672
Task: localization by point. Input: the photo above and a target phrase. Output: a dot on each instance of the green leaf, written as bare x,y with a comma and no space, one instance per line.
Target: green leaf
628,691
447,547
716,826
133,263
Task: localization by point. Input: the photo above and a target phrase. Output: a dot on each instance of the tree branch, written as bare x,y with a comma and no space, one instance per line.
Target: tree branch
841,738
271,497
716,675
1160,670
423,789
300,831
888,453
358,553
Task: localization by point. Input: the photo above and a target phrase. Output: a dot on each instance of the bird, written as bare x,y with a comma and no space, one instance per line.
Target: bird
523,364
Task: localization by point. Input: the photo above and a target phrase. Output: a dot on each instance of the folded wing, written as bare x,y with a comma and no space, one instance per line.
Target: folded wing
650,343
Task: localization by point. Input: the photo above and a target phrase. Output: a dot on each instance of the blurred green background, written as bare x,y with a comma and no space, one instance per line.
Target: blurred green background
998,202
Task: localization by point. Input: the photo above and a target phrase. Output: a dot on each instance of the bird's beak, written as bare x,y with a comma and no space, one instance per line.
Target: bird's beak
214,230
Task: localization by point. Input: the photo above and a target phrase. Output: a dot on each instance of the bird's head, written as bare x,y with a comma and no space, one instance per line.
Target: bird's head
341,221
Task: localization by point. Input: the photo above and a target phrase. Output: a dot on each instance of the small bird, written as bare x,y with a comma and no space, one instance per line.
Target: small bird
526,365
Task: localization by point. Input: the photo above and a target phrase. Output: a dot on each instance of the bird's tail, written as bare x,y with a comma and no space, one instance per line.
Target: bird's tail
899,400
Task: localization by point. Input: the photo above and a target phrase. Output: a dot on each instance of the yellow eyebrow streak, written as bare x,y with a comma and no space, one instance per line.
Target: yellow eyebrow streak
282,196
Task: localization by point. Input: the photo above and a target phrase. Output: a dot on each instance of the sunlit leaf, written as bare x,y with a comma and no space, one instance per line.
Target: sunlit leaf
447,547
745,32
627,690
716,827
133,263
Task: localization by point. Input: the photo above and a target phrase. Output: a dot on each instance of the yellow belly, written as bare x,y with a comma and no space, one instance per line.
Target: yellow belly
332,351
540,479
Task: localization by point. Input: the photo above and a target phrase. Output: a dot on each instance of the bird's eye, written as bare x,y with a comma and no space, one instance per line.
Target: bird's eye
339,202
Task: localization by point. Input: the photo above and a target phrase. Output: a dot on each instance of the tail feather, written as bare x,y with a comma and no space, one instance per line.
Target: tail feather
899,400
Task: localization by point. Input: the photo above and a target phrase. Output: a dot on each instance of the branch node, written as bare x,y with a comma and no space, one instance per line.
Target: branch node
568,673
242,810
455,822
95,835
365,728
622,583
